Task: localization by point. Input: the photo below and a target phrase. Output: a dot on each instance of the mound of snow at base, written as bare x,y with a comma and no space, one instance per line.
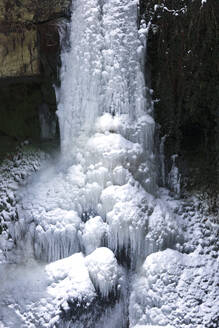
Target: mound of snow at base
177,289
32,294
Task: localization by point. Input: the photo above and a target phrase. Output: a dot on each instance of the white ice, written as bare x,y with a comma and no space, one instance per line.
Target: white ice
107,165
171,288
102,190
92,234
32,294
103,270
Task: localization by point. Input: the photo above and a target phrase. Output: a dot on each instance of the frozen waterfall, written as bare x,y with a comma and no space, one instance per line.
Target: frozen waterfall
106,172
100,197
107,165
102,72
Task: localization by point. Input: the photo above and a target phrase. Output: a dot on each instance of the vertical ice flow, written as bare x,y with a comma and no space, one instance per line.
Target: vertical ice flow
108,174
102,70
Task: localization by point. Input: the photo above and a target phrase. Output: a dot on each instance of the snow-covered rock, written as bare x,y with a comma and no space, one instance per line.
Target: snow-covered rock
175,289
14,173
33,294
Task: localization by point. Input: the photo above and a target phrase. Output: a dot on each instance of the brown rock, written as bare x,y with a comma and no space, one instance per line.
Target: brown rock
19,53
21,32
34,11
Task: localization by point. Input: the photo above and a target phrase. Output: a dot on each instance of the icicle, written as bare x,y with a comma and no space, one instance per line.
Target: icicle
103,270
174,177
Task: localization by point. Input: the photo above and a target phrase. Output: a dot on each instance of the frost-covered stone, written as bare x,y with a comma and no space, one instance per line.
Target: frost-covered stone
171,290
14,173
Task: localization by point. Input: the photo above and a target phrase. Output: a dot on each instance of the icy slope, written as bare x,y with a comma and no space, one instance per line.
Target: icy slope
35,295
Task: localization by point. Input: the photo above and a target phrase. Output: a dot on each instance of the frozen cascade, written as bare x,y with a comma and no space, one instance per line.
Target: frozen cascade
107,167
102,191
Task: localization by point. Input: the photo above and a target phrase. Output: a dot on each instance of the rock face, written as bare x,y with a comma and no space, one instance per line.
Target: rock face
20,36
32,11
19,53
183,56
29,58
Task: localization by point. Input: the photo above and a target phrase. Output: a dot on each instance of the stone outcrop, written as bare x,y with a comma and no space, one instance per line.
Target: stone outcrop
19,53
21,26
31,11
29,60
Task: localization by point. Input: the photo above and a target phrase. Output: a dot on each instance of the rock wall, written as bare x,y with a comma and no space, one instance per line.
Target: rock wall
21,33
29,60
183,49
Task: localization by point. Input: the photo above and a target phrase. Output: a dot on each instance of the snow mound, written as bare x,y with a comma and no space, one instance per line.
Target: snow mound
32,295
171,289
103,270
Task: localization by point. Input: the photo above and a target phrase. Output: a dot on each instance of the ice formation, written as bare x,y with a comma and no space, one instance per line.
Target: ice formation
172,288
93,234
103,270
106,172
37,292
101,197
